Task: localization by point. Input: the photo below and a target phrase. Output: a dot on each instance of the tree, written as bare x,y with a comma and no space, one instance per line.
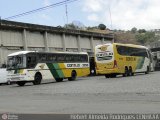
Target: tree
134,30
102,26
141,30
146,37
70,26
150,36
141,38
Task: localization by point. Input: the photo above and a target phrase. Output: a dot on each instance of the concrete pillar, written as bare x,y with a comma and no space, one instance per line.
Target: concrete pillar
63,42
25,40
0,56
113,38
46,41
78,42
102,40
91,42
0,49
0,38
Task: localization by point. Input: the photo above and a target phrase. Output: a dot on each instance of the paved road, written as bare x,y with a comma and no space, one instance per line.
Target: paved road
3,76
137,94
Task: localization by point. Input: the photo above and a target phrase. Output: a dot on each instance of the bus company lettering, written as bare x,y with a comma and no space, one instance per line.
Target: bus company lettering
76,65
85,65
73,65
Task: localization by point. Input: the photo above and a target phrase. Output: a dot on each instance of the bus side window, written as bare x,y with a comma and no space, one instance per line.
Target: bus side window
43,57
31,61
84,58
68,58
61,58
122,50
52,58
28,59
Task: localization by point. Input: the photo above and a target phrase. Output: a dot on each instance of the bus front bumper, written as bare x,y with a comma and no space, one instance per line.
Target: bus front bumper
15,78
108,71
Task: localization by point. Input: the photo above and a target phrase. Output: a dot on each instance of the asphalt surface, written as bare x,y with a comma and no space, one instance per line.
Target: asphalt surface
3,76
137,94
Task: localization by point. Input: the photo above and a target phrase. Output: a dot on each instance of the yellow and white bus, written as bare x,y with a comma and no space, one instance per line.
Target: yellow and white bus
32,66
125,59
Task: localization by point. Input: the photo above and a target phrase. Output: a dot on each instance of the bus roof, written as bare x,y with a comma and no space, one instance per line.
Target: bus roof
26,52
20,53
130,45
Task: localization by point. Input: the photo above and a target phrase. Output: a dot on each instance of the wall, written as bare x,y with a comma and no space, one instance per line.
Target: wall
15,38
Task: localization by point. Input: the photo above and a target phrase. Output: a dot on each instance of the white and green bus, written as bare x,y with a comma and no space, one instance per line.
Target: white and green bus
32,66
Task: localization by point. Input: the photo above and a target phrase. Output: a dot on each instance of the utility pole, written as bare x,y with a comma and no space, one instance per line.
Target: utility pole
66,7
111,22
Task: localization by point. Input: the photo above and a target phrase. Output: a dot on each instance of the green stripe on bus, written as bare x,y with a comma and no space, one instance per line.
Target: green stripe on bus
55,70
58,70
140,63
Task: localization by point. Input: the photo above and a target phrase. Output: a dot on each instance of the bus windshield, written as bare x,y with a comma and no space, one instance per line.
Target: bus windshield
16,62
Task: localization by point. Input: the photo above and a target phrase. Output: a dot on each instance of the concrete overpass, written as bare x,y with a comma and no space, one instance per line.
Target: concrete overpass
17,36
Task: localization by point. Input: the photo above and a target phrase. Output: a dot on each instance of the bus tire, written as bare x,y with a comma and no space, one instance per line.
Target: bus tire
73,76
21,83
113,75
107,75
147,71
132,74
37,79
8,83
125,74
59,79
130,71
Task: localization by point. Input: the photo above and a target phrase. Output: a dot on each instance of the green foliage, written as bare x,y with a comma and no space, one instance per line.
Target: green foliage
141,30
141,38
102,26
150,36
146,37
70,26
134,36
134,30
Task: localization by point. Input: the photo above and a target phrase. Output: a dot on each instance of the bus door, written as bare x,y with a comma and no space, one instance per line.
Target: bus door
92,66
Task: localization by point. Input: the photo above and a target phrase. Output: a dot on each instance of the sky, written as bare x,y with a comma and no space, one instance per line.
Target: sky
115,14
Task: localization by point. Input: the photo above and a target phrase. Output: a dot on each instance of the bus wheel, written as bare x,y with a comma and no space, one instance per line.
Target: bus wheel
130,72
107,75
113,75
37,79
147,70
125,74
21,83
59,79
73,76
